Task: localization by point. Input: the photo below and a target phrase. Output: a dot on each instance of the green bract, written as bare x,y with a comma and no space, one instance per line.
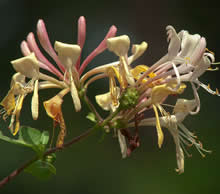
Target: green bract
129,98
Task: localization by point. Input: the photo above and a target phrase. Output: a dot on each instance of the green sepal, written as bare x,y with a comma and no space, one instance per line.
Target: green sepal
129,98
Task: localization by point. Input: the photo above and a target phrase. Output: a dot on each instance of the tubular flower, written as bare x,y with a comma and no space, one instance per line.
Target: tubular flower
53,109
67,70
13,101
181,135
121,70
187,59
132,91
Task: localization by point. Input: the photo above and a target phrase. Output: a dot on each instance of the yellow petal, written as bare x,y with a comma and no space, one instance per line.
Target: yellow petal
17,114
113,71
162,91
53,107
139,69
112,86
17,126
9,102
159,130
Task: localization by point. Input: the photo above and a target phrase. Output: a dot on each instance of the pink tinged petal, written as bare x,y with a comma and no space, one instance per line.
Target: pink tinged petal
46,44
199,51
24,48
102,46
26,51
174,42
34,48
81,36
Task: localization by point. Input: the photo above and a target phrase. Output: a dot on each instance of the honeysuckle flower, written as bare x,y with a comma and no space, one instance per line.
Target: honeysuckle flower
187,59
120,70
105,100
158,94
132,90
13,101
54,110
67,75
120,45
68,55
28,66
181,135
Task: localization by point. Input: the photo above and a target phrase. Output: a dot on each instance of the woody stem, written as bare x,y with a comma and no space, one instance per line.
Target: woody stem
16,172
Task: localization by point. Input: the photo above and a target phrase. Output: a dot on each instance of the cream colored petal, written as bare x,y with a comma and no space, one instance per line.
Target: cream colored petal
128,75
184,105
35,102
105,101
27,66
188,44
119,45
123,144
174,42
137,51
67,53
173,129
74,94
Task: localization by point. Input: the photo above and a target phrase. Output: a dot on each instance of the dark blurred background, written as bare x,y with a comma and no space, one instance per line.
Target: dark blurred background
94,166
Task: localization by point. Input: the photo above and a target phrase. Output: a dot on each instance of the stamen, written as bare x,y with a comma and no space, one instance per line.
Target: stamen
210,51
208,89
184,149
211,69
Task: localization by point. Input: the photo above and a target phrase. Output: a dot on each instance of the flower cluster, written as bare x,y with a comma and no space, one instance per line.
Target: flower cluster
133,90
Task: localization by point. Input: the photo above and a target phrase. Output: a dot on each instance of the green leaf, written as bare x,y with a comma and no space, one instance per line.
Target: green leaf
14,141
34,138
91,116
5,138
41,169
30,135
44,137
